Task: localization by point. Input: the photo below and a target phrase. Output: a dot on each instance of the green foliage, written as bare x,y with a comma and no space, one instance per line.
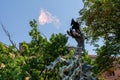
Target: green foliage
102,21
87,58
3,48
29,63
68,56
107,55
56,46
10,64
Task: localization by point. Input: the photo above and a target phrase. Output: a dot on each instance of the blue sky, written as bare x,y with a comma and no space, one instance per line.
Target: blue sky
16,14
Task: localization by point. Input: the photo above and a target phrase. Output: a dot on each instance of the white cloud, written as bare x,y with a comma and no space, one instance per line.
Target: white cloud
46,17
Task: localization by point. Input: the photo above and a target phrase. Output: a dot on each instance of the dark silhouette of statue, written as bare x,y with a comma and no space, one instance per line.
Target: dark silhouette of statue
75,25
76,33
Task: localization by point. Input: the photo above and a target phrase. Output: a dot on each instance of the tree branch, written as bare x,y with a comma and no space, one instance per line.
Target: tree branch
9,37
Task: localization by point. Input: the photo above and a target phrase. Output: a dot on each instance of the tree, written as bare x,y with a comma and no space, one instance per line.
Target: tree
42,52
102,20
30,61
